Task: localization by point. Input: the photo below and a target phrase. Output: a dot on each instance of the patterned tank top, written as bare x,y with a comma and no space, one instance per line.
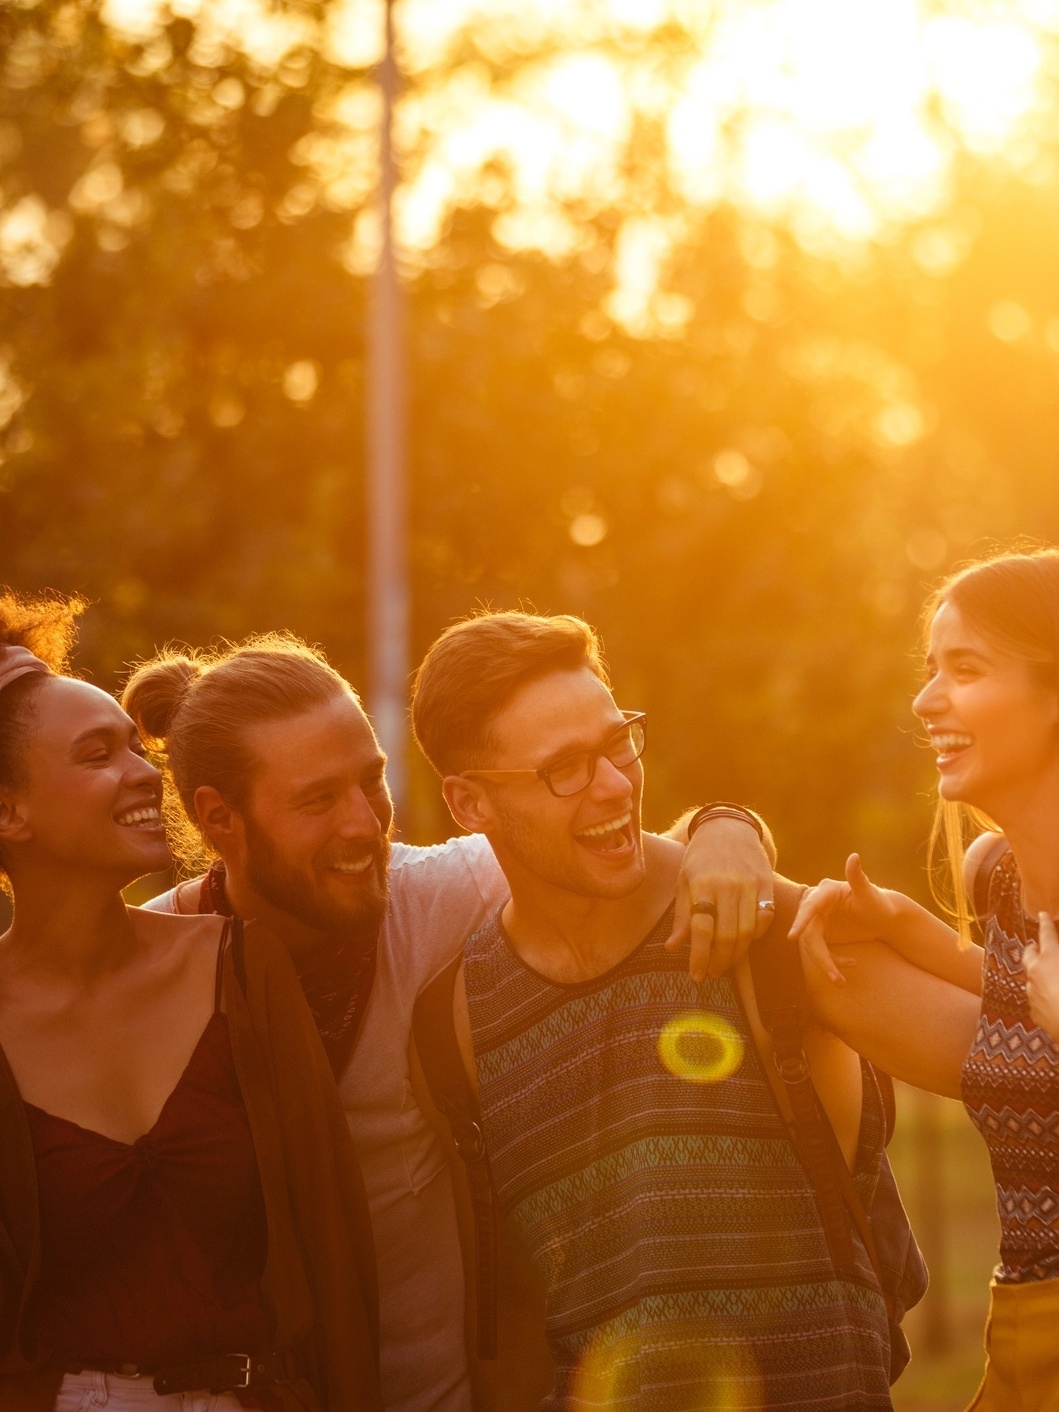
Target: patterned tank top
676,1230
1011,1090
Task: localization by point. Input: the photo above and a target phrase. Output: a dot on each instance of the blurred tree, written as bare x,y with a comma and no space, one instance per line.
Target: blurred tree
748,497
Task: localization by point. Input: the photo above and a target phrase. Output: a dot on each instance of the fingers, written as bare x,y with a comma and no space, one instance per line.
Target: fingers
816,905
701,950
737,924
681,933
814,948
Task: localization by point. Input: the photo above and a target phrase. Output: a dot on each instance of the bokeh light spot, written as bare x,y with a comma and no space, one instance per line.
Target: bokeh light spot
700,1047
588,529
301,379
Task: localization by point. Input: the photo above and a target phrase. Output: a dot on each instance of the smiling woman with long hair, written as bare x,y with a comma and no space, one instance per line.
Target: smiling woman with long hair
982,1024
182,1223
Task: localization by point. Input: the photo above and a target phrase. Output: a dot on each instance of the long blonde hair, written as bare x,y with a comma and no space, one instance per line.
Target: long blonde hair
1012,599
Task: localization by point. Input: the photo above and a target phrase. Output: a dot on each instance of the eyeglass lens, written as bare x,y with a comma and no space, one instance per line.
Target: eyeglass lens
575,773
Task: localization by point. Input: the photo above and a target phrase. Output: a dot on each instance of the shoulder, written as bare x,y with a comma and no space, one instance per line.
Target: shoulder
183,899
467,857
150,923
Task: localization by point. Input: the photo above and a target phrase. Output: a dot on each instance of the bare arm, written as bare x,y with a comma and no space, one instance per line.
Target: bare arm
916,1026
838,913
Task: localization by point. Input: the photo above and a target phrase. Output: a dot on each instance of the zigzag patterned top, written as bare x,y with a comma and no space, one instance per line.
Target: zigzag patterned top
1011,1090
676,1230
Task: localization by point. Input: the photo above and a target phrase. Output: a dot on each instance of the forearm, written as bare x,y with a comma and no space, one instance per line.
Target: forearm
928,943
915,1025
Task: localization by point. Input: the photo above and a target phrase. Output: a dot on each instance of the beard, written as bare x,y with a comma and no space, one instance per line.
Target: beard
301,893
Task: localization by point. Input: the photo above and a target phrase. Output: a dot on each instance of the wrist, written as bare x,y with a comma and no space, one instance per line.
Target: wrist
722,809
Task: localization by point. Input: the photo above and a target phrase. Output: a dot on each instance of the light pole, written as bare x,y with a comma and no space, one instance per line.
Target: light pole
387,548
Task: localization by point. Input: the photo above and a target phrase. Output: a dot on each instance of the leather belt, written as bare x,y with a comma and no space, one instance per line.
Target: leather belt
220,1372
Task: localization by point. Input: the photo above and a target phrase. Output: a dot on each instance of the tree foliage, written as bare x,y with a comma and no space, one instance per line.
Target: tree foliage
749,508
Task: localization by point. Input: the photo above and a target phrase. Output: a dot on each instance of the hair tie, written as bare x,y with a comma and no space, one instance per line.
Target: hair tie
18,662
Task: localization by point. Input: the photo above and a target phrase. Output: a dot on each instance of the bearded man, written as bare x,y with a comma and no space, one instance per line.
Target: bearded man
276,769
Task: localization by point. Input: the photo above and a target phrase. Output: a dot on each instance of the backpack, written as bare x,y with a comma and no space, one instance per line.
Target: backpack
782,1002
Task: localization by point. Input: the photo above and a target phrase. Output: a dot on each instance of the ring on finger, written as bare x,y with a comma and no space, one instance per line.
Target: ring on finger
704,909
766,904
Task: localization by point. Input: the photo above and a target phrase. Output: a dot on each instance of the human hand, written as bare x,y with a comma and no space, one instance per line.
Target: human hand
725,874
837,913
1040,961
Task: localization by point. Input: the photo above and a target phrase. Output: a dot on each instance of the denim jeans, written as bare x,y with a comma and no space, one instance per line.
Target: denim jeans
84,1392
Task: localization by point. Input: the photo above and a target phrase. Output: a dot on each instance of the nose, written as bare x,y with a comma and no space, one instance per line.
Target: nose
141,772
610,781
930,701
364,818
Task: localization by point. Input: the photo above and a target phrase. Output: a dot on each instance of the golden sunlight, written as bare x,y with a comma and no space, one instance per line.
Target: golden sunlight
840,117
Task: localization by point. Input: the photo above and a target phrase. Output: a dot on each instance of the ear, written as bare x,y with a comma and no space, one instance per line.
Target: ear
468,802
221,824
13,825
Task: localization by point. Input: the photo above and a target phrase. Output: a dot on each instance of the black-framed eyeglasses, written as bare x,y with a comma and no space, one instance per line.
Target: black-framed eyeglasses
574,772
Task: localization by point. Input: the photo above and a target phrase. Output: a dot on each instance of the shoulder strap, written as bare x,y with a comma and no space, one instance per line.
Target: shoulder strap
442,1062
983,878
239,951
218,976
782,1001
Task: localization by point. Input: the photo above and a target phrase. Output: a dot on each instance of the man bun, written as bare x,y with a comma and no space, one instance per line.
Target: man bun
156,691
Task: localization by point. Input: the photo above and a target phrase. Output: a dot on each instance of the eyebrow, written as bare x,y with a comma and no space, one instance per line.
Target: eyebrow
97,733
580,749
305,791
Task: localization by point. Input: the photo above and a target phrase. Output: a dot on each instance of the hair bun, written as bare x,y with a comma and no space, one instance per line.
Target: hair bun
156,691
45,624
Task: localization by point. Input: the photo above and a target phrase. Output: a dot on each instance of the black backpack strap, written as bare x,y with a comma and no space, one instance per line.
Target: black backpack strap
783,1005
442,1063
238,944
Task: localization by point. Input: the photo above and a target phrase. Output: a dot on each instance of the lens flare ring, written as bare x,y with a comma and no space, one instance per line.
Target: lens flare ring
716,1047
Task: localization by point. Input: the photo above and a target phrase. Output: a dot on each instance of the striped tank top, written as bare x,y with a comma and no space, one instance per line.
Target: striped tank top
646,1167
1011,1090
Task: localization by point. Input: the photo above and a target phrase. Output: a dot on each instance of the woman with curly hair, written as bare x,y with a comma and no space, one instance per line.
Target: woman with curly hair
981,1024
182,1223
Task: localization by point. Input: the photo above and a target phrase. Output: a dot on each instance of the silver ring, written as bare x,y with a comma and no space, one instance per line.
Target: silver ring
766,905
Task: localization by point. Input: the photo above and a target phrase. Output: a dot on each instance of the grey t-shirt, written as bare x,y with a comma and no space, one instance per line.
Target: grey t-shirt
439,896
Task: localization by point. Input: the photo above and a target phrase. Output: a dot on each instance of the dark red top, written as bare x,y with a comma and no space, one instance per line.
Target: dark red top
152,1252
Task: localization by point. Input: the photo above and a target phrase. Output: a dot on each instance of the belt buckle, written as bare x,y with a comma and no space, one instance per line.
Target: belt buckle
242,1380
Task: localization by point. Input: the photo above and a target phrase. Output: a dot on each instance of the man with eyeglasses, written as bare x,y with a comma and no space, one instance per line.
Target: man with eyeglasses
632,1136
285,782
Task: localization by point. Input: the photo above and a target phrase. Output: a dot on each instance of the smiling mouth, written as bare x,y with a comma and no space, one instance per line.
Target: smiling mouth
608,837
146,817
353,867
949,745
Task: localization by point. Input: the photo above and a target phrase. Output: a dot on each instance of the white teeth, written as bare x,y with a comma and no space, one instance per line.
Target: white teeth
360,867
943,743
599,829
149,815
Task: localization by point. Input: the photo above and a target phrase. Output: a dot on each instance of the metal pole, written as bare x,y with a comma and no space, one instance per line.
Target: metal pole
388,591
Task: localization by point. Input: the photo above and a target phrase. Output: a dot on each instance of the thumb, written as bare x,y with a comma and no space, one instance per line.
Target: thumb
862,885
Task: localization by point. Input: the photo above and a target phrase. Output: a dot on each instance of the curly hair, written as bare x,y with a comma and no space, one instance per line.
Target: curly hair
47,626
